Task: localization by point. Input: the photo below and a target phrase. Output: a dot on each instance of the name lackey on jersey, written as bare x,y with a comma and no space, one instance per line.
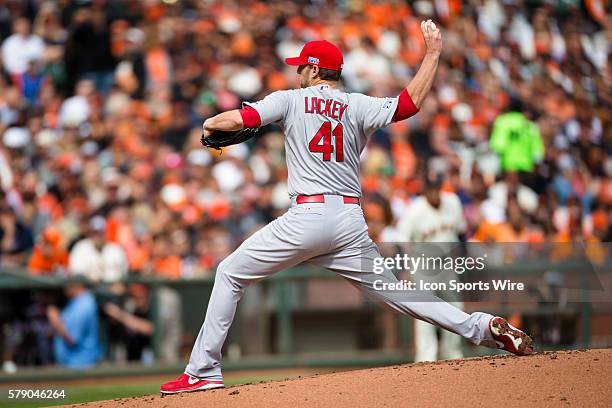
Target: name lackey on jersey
326,107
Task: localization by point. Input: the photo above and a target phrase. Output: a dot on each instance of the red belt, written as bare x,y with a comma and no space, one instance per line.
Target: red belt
320,198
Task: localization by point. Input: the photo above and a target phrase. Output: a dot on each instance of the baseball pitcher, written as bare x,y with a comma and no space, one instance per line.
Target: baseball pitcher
325,130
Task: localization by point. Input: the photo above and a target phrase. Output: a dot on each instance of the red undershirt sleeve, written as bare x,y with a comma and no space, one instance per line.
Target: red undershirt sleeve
405,107
250,117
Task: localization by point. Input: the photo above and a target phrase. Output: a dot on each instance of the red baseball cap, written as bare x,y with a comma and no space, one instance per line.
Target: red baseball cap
321,53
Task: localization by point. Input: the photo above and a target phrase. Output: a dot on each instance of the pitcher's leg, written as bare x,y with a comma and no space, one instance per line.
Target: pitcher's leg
356,265
473,327
285,242
205,359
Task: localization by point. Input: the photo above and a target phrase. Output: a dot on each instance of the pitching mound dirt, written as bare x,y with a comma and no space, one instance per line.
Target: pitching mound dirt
555,379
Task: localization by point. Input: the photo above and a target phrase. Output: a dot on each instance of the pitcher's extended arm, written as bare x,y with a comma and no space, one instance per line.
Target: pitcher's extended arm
421,83
232,120
226,121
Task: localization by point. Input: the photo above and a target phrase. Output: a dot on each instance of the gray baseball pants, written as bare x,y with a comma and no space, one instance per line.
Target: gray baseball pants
332,235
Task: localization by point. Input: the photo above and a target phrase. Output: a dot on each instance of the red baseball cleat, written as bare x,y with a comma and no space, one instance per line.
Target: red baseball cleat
509,338
187,383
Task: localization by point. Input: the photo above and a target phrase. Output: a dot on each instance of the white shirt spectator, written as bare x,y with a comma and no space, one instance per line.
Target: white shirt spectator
228,175
390,234
109,264
363,67
596,48
19,50
390,44
491,18
74,111
421,222
521,33
245,82
527,198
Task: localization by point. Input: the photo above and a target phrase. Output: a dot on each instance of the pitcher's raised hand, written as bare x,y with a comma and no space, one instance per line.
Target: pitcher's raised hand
432,36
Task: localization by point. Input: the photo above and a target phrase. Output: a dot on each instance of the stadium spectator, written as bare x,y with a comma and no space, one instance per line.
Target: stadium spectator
76,110
31,82
88,54
136,317
510,186
516,228
166,262
76,343
379,218
11,107
48,255
22,48
517,140
15,238
96,258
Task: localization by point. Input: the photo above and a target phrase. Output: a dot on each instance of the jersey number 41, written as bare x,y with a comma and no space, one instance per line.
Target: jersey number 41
322,142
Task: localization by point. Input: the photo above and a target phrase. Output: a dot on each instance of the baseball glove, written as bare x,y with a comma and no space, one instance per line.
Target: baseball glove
219,138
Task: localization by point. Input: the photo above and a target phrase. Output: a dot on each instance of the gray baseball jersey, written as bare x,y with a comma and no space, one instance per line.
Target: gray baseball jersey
325,132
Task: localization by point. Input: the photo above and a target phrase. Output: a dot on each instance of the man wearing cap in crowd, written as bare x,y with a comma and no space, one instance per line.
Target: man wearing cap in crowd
95,257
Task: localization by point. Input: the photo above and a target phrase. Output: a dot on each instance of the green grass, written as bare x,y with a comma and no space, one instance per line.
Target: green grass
87,393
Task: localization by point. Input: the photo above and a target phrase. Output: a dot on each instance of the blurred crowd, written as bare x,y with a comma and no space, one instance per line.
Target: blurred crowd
102,174
102,101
